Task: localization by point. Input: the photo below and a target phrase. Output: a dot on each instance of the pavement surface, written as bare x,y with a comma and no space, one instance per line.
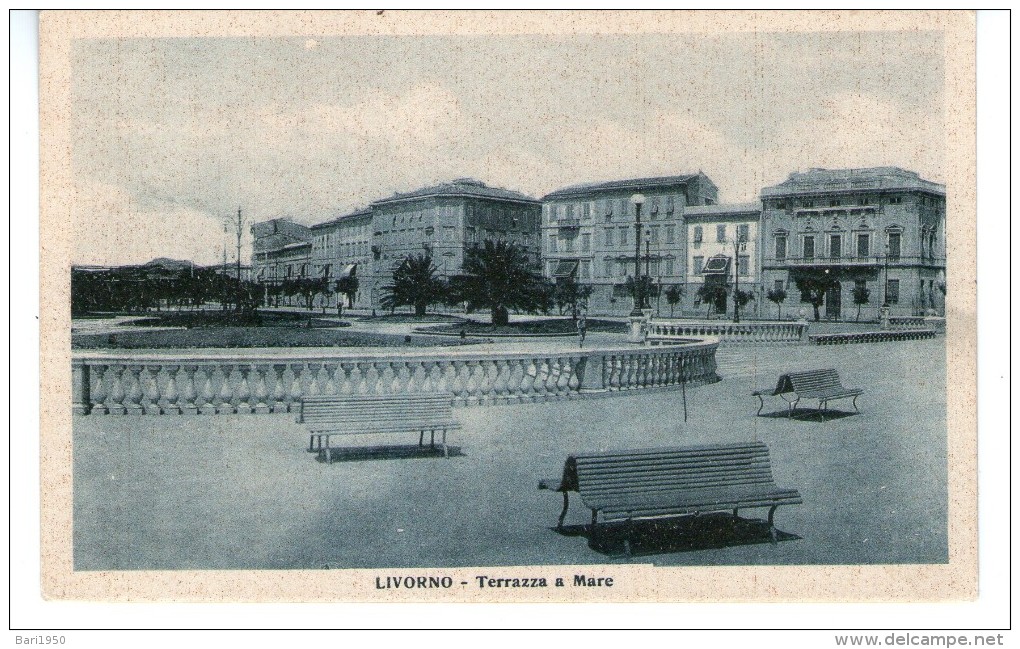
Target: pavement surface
241,491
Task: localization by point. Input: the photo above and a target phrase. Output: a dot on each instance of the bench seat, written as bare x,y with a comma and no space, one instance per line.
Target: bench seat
822,385
675,481
326,416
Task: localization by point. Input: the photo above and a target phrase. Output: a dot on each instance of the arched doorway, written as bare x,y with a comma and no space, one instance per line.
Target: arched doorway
832,301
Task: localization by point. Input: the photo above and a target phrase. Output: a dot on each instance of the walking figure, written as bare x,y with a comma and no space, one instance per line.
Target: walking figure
582,329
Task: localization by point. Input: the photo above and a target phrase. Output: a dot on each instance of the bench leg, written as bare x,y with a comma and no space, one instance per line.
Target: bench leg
432,441
855,403
627,528
329,451
793,406
592,529
761,404
446,449
563,514
311,445
772,526
822,407
421,439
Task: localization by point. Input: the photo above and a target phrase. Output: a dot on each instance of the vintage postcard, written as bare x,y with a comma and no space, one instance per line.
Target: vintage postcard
508,306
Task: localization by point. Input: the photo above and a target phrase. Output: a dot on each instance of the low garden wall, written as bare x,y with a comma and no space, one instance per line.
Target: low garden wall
665,331
232,381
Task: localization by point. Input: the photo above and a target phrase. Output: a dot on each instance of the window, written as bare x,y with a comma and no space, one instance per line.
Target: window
586,242
809,247
744,265
570,211
669,266
653,206
609,237
669,204
623,207
699,263
742,232
608,268
569,244
892,291
623,236
807,203
609,210
586,211
654,236
894,246
585,269
931,243
863,245
781,247
552,243
670,233
833,203
698,234
778,286
720,233
863,200
780,206
895,200
835,246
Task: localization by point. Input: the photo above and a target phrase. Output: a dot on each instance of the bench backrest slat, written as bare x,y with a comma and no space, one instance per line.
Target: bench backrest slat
378,410
814,380
622,472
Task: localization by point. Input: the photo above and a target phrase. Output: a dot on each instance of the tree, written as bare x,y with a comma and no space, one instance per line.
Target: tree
498,276
415,283
778,296
814,287
714,295
861,294
673,296
348,287
644,283
742,298
568,294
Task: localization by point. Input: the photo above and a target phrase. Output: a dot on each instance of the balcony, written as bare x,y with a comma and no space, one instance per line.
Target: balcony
565,224
854,261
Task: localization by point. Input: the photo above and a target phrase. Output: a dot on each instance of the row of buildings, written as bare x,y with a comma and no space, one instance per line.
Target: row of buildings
882,229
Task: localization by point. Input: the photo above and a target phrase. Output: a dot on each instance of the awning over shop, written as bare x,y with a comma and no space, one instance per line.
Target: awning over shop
566,268
717,265
348,271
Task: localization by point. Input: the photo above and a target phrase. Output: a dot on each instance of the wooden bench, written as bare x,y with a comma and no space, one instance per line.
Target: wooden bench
661,482
823,385
326,416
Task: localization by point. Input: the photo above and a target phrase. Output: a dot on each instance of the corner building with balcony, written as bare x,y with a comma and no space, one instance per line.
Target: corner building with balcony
445,220
282,250
588,232
722,248
880,228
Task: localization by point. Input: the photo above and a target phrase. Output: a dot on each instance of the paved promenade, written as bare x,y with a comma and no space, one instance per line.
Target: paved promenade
241,491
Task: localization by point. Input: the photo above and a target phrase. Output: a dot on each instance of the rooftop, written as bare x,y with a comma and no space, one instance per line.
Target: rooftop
469,187
829,180
362,211
617,185
719,210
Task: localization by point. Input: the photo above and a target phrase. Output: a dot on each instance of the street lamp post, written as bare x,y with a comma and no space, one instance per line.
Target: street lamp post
639,301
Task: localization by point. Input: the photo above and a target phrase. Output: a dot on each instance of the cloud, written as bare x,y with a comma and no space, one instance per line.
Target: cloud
109,227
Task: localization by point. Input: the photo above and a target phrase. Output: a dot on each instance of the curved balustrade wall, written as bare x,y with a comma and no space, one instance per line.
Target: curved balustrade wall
232,382
666,331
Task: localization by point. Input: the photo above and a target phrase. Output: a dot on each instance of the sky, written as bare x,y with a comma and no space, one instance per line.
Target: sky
171,136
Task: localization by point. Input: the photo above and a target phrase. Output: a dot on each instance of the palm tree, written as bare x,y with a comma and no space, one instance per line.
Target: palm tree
414,284
498,276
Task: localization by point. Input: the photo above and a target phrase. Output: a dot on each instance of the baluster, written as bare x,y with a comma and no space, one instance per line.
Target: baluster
150,390
170,392
528,379
372,379
261,388
423,372
515,379
188,394
279,393
208,398
472,381
415,377
573,384
330,385
98,392
133,391
566,371
346,369
296,389
313,379
81,388
225,397
358,382
117,394
243,391
501,380
386,378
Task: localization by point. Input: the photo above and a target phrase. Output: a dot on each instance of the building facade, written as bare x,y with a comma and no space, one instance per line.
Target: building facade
588,232
879,231
445,220
282,250
340,248
722,249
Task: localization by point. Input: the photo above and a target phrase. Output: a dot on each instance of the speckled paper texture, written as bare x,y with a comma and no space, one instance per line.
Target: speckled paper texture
639,580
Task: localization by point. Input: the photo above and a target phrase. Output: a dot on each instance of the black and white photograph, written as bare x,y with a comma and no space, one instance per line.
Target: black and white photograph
509,306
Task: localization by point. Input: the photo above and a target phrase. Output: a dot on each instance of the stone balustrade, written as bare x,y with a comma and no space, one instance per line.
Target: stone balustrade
915,322
230,381
667,331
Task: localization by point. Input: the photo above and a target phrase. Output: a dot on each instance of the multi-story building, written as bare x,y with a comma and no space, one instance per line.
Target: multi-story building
340,248
882,229
282,250
722,247
445,220
588,231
